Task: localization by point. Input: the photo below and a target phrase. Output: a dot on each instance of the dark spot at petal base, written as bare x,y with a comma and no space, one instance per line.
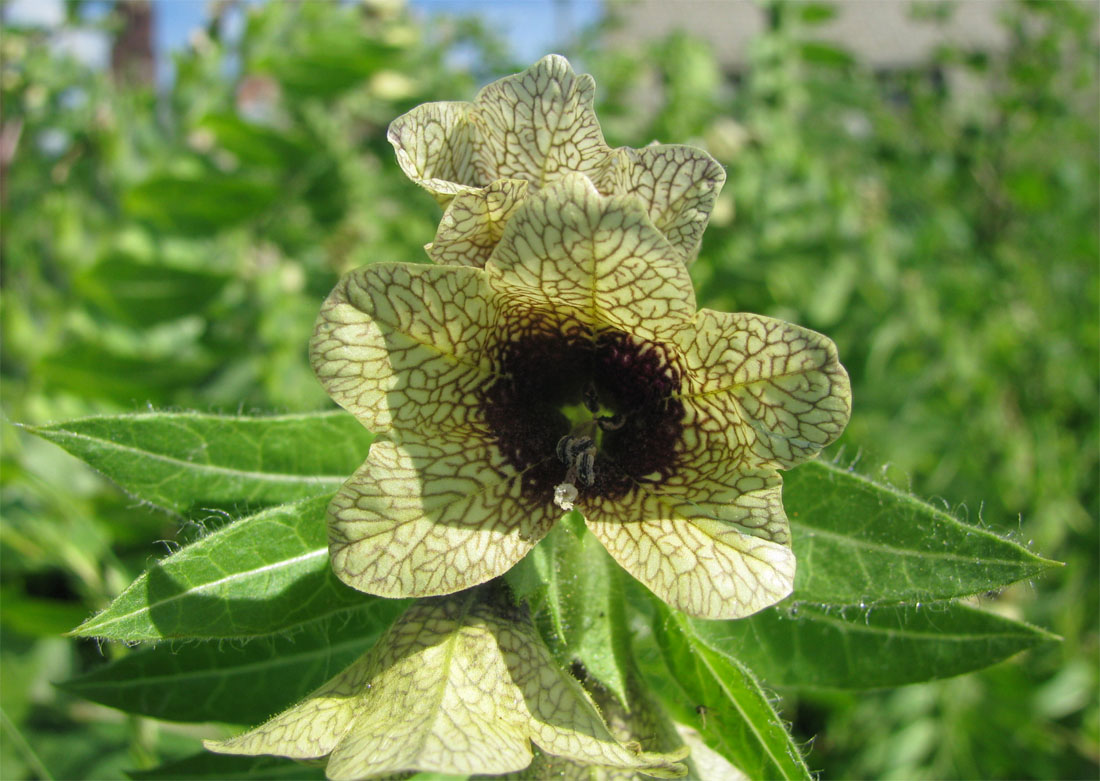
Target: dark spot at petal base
543,371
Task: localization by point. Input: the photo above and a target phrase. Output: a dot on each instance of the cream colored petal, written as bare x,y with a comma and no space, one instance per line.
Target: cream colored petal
567,248
474,222
777,389
431,516
643,723
435,148
712,549
403,346
708,764
442,699
677,184
311,729
564,720
461,684
450,696
538,125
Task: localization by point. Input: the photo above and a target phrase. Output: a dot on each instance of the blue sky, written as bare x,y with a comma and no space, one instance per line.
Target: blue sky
530,26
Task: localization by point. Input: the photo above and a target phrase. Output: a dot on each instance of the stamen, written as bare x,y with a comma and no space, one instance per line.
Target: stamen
630,418
571,446
585,465
611,422
578,453
591,398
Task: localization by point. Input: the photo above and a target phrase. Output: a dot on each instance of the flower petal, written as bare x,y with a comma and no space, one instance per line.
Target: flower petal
441,698
474,222
539,125
708,548
309,730
435,148
402,346
431,516
567,248
776,388
462,684
565,722
678,185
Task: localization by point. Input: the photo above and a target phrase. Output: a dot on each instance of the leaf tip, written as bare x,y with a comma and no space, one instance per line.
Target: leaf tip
84,629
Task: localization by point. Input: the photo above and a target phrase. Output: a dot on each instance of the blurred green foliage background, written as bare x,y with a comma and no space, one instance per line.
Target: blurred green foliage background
171,248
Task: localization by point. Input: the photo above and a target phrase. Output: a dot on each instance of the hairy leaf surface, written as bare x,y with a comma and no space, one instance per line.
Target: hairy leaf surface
242,684
265,573
813,647
583,600
858,542
191,461
719,697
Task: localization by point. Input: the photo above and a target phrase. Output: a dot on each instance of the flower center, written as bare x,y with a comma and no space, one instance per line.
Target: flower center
583,415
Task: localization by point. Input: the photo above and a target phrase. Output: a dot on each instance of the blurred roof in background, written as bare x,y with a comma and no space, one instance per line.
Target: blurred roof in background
883,34
880,33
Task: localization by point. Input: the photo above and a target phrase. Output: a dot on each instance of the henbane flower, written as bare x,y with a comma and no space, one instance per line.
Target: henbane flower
461,684
572,370
526,131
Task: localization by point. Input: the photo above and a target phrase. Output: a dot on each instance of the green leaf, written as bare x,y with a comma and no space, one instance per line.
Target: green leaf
812,647
329,60
819,53
265,573
720,698
815,13
255,144
243,684
144,294
861,543
187,461
584,602
64,749
90,369
219,767
37,617
201,204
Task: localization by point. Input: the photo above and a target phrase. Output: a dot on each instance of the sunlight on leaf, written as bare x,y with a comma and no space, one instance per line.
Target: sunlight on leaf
862,543
189,461
203,681
264,573
717,696
812,647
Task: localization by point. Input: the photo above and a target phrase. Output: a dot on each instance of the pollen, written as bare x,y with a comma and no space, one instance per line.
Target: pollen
564,496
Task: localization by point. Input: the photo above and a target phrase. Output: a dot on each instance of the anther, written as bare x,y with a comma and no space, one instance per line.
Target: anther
578,453
611,422
569,446
591,398
586,466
